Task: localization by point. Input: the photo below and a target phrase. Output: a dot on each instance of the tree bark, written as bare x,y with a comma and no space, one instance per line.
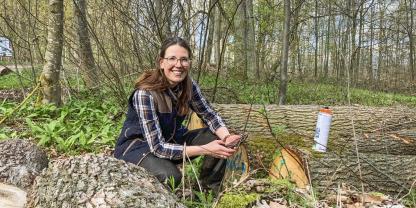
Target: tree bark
218,32
302,118
410,36
98,181
401,142
210,38
240,53
86,57
285,54
316,22
391,174
20,162
251,56
51,87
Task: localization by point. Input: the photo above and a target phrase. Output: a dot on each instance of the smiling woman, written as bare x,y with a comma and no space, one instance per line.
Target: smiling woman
153,136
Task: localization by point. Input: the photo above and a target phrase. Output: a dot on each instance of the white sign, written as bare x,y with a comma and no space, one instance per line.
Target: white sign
5,47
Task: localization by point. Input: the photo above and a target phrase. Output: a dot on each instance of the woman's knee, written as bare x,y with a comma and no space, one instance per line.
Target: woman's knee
171,176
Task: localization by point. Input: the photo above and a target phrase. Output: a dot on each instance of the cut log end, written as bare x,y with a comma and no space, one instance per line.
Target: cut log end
12,196
288,164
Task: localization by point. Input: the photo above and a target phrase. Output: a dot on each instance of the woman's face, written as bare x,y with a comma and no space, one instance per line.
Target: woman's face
175,64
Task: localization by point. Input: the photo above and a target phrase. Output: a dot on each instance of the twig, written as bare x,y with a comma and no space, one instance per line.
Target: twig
410,190
183,170
354,135
193,170
310,183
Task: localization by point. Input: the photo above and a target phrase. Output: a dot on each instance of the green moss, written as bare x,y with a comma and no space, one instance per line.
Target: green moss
286,189
236,200
266,149
410,199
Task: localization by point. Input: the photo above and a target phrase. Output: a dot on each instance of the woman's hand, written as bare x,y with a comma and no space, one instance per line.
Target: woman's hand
217,149
232,140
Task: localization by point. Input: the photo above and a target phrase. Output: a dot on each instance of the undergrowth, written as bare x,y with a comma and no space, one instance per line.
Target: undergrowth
78,126
299,93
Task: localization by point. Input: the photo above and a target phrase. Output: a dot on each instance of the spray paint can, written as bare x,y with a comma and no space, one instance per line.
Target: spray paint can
322,129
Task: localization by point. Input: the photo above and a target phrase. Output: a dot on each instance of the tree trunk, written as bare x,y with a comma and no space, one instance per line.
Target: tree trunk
210,38
353,51
162,18
380,47
251,57
285,53
98,181
328,32
316,22
391,174
370,69
302,118
86,58
218,32
240,53
51,87
410,35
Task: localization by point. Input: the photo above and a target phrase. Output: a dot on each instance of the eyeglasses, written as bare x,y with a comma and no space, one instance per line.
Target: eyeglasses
173,60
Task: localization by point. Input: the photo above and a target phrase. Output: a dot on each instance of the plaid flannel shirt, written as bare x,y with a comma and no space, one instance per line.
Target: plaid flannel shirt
144,106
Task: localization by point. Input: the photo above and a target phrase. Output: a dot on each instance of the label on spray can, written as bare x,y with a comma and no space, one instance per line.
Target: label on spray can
322,129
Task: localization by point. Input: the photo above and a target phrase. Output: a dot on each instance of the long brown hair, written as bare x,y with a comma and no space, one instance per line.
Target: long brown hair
156,80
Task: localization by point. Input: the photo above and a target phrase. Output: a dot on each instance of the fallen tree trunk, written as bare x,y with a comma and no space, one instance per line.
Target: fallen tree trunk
391,174
394,143
302,118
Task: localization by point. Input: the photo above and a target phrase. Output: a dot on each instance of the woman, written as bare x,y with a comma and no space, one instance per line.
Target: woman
153,136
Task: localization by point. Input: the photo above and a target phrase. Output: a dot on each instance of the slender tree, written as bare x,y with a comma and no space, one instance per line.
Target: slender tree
86,58
411,39
51,88
285,54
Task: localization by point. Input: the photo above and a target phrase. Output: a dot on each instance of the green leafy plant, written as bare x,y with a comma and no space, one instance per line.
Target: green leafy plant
171,183
203,200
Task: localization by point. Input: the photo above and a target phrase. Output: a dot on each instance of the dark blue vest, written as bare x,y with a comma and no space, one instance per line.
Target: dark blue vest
131,145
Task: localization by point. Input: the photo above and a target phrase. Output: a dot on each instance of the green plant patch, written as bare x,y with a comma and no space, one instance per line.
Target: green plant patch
14,81
237,200
77,126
